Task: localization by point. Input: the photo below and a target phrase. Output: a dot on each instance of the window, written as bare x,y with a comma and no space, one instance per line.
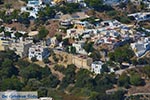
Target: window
96,66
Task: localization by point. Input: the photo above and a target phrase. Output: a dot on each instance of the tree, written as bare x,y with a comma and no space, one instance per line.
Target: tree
7,34
143,6
22,63
46,13
118,95
46,60
66,42
88,47
24,18
73,50
105,68
98,5
33,71
42,92
15,14
11,84
136,80
59,68
59,37
100,96
124,19
55,58
123,80
122,5
43,32
8,5
25,15
95,55
112,13
25,35
147,70
121,54
2,14
33,59
104,82
50,81
18,35
69,8
45,71
33,85
8,69
9,54
84,80
2,29
69,78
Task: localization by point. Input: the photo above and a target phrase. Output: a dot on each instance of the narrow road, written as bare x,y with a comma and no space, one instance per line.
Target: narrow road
131,66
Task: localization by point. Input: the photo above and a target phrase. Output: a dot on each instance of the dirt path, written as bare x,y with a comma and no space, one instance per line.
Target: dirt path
57,73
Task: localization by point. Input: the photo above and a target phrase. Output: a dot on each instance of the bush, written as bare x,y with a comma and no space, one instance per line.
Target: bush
43,32
121,54
33,59
55,58
59,68
136,80
125,20
46,60
50,81
123,80
112,13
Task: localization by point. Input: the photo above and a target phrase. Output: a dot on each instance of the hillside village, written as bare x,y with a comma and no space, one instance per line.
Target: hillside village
108,42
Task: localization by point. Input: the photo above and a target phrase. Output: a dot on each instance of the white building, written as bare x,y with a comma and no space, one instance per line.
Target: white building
65,22
34,3
96,67
141,47
111,24
113,2
53,42
79,47
4,44
21,47
33,6
141,16
74,1
110,33
39,52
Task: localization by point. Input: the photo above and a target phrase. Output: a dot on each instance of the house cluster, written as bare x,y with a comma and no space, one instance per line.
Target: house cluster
23,46
33,6
145,2
109,32
141,16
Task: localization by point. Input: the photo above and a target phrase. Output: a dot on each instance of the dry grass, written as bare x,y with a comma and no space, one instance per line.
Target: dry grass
16,4
140,89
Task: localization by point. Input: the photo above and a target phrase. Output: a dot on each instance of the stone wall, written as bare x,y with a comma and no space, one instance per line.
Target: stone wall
78,60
